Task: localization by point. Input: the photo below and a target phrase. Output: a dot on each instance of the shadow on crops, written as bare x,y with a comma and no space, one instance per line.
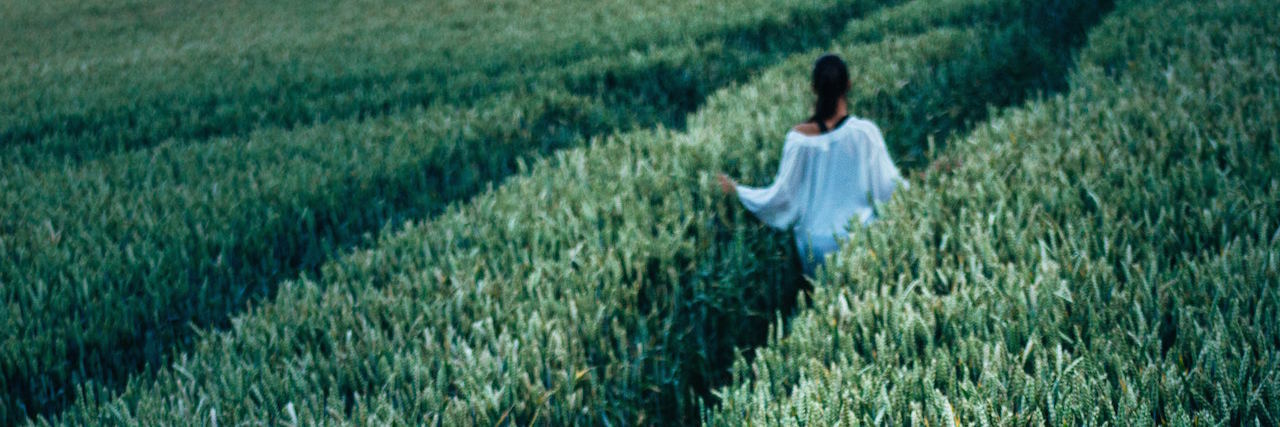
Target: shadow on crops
1029,56
601,102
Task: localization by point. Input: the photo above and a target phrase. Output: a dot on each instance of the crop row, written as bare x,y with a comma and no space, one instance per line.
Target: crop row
1108,256
110,261
604,284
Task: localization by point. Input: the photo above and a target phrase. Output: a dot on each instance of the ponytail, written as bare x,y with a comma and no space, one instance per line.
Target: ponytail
830,84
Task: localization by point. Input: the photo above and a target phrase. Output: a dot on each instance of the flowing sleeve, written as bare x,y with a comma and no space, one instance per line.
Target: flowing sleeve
780,204
884,175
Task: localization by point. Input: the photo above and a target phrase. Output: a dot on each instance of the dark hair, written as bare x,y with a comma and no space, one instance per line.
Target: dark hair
830,83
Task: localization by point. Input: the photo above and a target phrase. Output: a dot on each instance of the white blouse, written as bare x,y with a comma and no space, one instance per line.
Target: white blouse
823,182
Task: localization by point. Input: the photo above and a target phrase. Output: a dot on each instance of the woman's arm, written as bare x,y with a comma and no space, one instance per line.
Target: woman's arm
778,204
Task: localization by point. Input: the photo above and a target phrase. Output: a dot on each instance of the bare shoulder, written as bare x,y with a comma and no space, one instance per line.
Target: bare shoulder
807,128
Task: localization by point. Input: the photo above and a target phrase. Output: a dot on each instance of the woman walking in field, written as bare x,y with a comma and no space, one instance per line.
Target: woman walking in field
834,169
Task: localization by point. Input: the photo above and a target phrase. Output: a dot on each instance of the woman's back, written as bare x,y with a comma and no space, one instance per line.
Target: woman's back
827,178
851,170
825,181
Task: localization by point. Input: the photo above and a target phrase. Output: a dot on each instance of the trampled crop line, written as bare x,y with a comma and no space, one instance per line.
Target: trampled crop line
1028,53
954,96
600,102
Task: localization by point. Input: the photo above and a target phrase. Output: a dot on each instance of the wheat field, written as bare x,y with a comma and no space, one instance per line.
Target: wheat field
389,212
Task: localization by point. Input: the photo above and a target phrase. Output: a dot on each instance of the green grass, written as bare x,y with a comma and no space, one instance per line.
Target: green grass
1108,256
387,245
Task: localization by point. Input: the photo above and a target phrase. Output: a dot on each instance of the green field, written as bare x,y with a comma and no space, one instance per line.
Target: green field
498,212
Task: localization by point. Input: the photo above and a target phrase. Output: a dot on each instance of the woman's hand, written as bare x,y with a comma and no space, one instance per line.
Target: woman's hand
727,185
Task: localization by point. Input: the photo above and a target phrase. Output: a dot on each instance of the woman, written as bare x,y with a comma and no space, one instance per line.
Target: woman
834,169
